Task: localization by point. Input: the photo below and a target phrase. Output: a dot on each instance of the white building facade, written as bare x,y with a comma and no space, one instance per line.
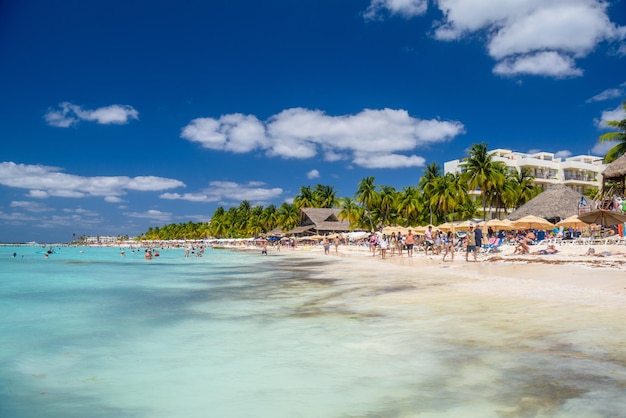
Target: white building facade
581,172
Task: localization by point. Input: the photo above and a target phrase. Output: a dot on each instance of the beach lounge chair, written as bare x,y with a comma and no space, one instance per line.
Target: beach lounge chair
492,246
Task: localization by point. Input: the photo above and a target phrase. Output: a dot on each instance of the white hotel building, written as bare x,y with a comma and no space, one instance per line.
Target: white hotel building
581,172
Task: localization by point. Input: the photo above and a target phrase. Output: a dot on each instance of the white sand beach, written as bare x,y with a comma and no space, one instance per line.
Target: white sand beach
571,275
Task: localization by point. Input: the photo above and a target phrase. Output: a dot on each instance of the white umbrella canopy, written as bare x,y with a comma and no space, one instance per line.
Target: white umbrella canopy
532,222
572,222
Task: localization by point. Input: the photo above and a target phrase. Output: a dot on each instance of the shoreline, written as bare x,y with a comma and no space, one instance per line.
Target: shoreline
569,276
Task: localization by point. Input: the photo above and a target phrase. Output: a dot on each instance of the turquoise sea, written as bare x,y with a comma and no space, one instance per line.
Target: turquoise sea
89,333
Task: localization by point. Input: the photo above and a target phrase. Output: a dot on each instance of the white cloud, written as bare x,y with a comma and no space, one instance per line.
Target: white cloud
152,215
608,94
34,207
609,115
67,114
601,149
229,192
303,133
543,63
563,154
517,33
313,174
44,181
404,8
235,132
389,161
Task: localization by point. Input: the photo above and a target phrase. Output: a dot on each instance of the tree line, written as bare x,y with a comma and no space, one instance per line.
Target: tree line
437,197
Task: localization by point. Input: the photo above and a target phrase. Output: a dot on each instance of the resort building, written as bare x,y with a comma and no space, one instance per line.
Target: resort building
580,173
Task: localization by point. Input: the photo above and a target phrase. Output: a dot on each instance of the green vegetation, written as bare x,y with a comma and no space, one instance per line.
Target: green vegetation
437,198
620,137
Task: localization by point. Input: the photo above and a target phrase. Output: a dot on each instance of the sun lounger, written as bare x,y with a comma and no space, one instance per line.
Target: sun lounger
492,247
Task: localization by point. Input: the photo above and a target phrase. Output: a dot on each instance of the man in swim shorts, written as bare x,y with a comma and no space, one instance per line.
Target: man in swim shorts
471,244
409,242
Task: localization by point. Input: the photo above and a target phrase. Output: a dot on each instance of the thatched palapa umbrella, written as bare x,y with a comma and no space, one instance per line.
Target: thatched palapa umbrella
616,171
557,201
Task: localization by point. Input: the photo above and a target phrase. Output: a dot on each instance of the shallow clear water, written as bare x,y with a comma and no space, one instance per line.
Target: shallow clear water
236,334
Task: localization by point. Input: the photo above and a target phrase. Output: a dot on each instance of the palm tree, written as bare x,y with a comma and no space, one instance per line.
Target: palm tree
306,198
217,224
481,172
350,211
288,216
367,196
409,205
269,218
426,183
520,188
387,204
325,196
448,193
620,137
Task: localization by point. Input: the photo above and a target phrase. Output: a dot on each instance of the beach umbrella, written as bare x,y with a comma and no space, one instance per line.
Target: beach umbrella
464,226
532,222
422,229
445,227
572,222
603,217
558,200
394,228
503,224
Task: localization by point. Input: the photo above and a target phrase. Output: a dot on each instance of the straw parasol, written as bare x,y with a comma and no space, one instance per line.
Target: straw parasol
422,229
464,226
532,221
447,226
603,217
557,201
395,228
572,222
616,171
503,224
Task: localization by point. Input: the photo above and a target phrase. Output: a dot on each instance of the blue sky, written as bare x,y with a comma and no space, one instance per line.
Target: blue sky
121,115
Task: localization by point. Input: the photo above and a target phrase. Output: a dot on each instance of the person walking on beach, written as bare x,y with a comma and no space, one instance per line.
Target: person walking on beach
399,243
438,242
373,243
448,248
471,243
429,243
326,245
409,242
336,241
393,243
478,234
384,244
